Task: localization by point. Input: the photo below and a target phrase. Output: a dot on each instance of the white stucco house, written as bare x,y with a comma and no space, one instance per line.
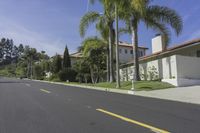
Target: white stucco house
178,65
125,53
75,57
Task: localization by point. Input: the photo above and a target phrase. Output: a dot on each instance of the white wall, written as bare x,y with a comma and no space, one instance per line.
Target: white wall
177,70
123,57
188,67
166,67
127,57
169,67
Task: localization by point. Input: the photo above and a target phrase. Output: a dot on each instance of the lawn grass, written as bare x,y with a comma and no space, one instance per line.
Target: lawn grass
139,86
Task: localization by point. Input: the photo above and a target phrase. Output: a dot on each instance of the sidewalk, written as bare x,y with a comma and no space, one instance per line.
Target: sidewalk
182,94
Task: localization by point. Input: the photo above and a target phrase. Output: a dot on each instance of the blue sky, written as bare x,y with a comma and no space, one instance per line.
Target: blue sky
51,24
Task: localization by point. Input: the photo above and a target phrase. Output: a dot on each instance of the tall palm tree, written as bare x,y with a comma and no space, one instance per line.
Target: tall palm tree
104,32
106,19
157,17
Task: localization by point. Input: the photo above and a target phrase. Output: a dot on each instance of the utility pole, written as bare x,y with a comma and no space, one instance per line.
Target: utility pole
117,48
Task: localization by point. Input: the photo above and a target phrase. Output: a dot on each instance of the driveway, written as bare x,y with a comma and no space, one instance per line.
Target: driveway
183,94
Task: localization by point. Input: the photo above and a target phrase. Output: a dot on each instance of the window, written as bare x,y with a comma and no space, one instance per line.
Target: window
198,53
142,53
131,51
138,53
126,51
120,51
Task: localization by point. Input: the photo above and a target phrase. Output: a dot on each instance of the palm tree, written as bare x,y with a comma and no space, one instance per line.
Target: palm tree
157,17
104,32
106,19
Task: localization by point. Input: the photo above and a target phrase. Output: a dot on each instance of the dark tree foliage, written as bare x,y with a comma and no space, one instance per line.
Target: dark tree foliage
9,53
38,72
56,64
66,59
67,75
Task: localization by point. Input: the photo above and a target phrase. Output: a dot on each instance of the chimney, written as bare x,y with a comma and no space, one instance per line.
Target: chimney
158,44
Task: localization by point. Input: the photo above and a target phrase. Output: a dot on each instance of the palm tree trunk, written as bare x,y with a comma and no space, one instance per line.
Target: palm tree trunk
92,74
27,72
134,30
117,49
111,52
31,67
107,65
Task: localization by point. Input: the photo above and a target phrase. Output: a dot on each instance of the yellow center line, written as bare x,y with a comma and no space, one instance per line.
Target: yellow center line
157,130
45,91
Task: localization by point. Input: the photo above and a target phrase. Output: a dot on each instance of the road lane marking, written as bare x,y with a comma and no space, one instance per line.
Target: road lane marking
28,85
45,91
154,129
89,107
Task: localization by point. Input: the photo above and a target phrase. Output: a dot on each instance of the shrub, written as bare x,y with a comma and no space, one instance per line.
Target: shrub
67,74
38,72
54,77
153,74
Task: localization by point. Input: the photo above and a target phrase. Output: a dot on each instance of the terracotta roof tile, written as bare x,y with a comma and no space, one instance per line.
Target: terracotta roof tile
169,50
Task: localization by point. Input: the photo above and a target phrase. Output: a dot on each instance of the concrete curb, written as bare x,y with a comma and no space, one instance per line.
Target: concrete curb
128,92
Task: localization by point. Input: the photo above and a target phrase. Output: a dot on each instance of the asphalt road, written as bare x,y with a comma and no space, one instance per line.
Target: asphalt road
34,107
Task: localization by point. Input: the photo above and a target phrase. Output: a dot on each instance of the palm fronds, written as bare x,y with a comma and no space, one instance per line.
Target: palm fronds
86,20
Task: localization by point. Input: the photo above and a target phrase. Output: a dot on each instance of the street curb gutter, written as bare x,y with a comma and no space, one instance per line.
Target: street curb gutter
128,92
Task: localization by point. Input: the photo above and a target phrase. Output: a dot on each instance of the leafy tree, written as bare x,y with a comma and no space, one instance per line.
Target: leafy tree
15,54
21,69
67,74
83,73
2,51
6,50
38,72
21,61
66,59
45,64
21,49
29,56
9,53
94,52
42,56
56,64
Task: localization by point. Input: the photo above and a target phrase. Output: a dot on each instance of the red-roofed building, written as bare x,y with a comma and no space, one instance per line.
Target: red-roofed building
125,53
178,65
75,57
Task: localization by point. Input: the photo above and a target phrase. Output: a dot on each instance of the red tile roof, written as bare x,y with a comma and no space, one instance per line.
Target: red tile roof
169,50
76,55
124,44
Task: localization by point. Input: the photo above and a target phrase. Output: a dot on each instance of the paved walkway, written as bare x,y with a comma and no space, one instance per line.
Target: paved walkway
183,94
